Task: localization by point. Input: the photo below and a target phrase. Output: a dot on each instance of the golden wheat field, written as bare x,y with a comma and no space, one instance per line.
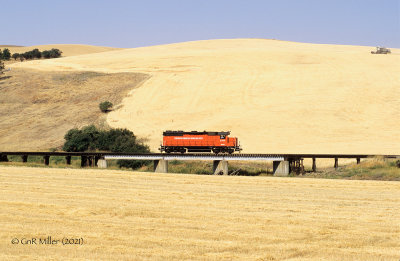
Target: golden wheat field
276,96
123,215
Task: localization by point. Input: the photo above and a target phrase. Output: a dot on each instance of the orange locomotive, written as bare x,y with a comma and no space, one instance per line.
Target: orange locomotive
194,141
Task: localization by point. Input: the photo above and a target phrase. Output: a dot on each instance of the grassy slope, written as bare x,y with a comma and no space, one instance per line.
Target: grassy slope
37,108
372,169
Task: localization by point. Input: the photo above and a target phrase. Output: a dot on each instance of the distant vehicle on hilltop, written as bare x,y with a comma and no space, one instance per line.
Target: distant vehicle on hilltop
381,50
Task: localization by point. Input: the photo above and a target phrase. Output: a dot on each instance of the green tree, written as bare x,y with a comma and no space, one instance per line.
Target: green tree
55,53
46,54
125,141
81,140
28,55
105,106
6,54
107,138
114,140
76,141
15,56
1,67
36,53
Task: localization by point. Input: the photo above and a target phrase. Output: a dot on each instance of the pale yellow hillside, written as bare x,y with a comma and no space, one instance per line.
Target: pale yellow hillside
276,96
67,49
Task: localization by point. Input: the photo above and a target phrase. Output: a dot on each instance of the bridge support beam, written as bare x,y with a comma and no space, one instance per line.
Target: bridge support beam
220,167
314,165
46,160
90,161
96,160
83,161
68,160
336,166
281,168
3,157
102,163
358,160
24,158
161,166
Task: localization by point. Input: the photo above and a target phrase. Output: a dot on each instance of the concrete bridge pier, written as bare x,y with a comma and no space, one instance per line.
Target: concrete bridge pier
281,168
161,166
220,167
102,163
336,166
358,160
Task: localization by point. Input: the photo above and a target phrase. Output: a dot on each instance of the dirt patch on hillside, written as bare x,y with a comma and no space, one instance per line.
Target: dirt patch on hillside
37,108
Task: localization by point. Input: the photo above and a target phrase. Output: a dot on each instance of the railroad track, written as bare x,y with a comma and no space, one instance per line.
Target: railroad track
283,164
195,155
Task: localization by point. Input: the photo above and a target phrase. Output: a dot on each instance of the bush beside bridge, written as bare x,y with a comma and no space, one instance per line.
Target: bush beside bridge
90,138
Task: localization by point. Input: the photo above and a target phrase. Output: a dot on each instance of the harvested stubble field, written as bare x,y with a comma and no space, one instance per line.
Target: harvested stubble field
276,96
137,216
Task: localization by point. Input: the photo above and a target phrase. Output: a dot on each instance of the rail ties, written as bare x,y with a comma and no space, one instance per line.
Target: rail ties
93,157
242,155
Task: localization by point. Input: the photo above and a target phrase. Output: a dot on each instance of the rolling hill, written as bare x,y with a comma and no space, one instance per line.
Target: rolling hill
276,96
67,49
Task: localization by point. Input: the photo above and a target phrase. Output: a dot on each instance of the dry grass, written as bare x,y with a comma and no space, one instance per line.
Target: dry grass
240,168
37,108
372,169
276,96
144,216
67,49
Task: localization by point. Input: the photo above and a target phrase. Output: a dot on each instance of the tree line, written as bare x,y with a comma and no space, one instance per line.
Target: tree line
5,55
36,54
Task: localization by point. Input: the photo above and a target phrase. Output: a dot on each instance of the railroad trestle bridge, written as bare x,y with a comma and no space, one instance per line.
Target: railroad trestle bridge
283,164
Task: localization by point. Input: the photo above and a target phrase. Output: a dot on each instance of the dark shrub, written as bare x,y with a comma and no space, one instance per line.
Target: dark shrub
105,106
15,56
6,54
55,53
46,54
36,53
114,140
